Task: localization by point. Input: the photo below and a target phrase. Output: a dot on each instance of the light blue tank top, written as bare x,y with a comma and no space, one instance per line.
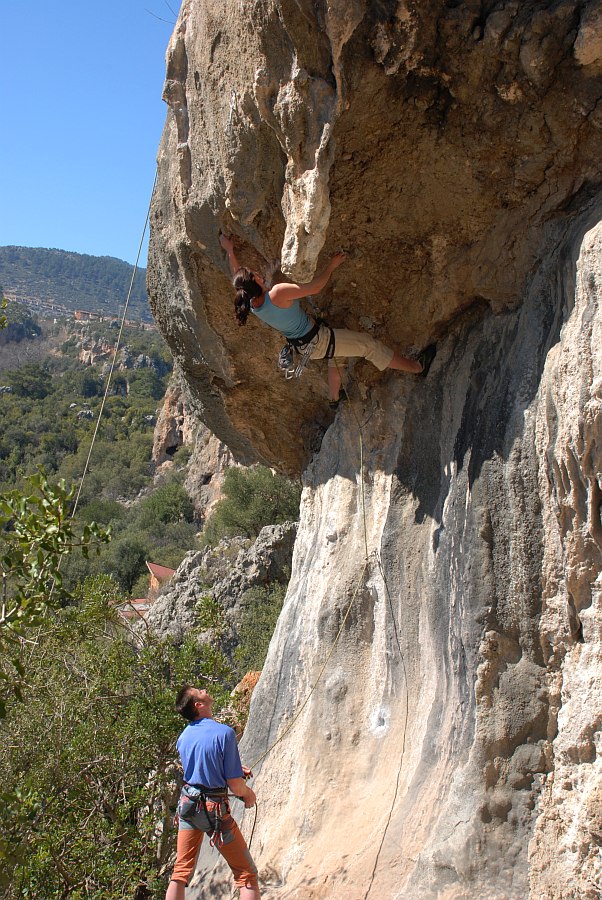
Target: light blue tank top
292,322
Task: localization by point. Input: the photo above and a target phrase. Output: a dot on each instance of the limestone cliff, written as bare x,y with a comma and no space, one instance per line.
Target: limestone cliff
451,745
177,426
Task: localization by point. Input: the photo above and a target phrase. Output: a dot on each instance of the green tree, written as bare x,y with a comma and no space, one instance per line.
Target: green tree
253,498
169,503
88,760
146,383
127,558
37,532
261,607
30,380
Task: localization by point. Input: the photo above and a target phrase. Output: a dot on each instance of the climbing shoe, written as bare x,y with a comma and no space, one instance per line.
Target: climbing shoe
334,404
426,358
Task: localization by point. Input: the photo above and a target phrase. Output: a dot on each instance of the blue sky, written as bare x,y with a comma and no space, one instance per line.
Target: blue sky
80,94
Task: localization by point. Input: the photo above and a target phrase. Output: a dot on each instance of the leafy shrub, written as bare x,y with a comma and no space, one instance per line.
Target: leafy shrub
127,559
260,610
101,510
87,763
253,498
30,380
35,534
145,383
169,503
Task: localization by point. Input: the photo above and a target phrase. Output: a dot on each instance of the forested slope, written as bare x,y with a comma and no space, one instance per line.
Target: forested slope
73,280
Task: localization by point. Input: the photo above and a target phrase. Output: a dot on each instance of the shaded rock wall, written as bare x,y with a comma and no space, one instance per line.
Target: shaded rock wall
451,746
448,147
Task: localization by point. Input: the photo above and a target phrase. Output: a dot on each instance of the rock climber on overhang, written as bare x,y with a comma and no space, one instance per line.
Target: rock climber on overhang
279,307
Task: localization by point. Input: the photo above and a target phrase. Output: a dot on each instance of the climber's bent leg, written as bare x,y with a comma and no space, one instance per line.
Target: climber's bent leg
334,382
405,364
356,343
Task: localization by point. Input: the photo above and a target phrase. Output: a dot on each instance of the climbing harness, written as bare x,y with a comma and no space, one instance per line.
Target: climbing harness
207,810
304,346
286,360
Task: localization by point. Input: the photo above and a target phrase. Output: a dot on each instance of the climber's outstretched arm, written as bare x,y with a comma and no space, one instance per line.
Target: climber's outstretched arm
228,245
284,294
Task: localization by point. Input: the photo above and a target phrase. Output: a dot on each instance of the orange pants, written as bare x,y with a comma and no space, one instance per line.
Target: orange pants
232,847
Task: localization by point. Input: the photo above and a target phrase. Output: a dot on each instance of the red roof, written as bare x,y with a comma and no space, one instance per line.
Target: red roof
160,572
135,608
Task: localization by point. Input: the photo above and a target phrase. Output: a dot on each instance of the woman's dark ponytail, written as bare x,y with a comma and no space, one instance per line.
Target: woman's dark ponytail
246,289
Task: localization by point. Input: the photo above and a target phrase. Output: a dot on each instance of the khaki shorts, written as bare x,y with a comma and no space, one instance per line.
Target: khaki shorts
351,343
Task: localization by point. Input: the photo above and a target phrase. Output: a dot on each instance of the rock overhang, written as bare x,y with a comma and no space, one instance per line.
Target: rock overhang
447,150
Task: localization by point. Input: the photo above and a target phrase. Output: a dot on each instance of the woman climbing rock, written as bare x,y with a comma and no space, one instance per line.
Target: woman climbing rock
279,307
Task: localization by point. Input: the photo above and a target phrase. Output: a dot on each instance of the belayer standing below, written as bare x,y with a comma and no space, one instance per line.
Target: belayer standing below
211,764
279,307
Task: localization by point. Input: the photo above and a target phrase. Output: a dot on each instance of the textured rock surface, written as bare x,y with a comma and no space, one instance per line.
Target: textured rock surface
451,746
225,573
178,426
447,146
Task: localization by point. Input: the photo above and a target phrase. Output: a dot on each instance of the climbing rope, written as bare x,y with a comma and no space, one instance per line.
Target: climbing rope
347,611
116,350
405,726
320,673
376,555
361,426
110,375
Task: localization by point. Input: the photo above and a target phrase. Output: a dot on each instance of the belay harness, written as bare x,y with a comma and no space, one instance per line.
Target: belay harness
208,810
304,346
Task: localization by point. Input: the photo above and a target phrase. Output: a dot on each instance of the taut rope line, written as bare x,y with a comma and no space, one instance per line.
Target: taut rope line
110,375
117,345
335,642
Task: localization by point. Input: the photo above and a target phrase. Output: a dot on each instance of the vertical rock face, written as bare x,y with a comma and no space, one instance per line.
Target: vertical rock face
179,424
433,719
438,706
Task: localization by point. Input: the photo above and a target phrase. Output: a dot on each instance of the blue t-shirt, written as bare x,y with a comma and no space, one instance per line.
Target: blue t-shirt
209,753
292,321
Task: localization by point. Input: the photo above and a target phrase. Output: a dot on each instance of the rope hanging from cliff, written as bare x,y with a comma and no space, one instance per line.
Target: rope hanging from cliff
116,350
401,656
405,727
291,724
113,361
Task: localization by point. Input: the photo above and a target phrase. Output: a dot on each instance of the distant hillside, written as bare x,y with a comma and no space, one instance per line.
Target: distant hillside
74,280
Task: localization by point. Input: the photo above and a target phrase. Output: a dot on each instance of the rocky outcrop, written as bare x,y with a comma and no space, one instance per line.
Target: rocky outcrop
177,426
453,737
224,573
448,147
436,708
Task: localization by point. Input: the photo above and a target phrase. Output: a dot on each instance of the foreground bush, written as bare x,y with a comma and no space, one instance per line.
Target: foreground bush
253,498
260,610
87,760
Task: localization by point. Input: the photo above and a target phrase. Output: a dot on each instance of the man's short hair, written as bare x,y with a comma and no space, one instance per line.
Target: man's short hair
185,702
